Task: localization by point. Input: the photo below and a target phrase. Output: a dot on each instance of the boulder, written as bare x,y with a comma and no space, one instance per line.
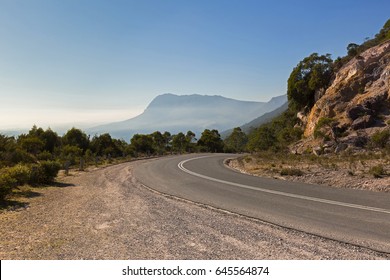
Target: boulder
363,122
341,147
358,111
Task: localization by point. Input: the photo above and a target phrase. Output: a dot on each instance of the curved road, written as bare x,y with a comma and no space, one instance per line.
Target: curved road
353,216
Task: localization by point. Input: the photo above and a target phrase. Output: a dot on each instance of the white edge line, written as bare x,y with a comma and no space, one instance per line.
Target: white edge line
350,205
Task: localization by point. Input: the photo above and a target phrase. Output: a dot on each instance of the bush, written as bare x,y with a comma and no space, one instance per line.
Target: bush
381,138
12,177
20,173
7,183
377,171
291,172
44,172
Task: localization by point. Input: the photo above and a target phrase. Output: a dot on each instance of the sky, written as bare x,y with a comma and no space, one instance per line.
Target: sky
67,63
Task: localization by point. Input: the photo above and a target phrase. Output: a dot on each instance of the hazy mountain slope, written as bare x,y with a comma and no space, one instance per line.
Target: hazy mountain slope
173,113
265,118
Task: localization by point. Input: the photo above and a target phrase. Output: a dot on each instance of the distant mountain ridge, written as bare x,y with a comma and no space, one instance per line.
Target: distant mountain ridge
180,113
265,118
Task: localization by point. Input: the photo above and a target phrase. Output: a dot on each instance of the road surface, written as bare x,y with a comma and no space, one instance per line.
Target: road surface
353,216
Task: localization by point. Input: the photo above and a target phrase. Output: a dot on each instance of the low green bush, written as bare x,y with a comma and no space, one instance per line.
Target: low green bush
21,173
44,172
381,138
7,183
291,172
377,171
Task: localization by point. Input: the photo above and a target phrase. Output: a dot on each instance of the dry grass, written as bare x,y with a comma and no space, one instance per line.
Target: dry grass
368,170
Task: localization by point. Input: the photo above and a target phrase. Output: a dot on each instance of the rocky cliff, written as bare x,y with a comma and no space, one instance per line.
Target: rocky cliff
356,104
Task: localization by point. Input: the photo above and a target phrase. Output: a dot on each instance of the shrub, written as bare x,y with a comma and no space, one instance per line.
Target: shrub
291,172
377,171
44,172
20,173
7,183
380,138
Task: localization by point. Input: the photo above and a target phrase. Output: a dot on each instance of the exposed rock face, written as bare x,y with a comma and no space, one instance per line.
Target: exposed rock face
359,98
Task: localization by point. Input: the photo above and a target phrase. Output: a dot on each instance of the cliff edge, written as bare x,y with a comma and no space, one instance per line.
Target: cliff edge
355,106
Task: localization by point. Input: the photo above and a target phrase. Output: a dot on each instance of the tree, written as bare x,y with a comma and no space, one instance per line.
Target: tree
75,137
104,145
51,140
310,75
158,142
190,138
236,141
142,143
167,140
352,49
211,141
263,139
384,33
31,144
179,142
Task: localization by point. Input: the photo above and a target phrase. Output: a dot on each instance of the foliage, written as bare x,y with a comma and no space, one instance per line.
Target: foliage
104,145
291,172
142,143
377,171
355,49
381,139
7,183
179,142
44,172
352,49
236,142
76,137
210,141
310,75
321,124
20,173
70,154
275,135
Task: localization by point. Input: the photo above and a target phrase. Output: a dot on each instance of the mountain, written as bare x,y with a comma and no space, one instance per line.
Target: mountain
174,113
265,118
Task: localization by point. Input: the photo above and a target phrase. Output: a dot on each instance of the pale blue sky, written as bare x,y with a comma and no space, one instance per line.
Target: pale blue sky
91,61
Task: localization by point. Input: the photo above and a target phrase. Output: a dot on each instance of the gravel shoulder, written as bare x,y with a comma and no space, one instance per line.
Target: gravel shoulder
107,214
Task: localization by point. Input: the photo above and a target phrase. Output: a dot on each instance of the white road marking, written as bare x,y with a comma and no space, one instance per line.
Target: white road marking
350,205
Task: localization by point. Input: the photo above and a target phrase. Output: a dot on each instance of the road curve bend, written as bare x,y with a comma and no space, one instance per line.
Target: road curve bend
353,216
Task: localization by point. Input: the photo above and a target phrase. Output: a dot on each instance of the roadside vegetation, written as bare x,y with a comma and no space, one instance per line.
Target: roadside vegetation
35,158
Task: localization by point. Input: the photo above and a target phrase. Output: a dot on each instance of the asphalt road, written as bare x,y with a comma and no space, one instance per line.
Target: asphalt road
353,216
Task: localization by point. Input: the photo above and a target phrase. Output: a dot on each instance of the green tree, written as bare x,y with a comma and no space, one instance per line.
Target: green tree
352,49
384,33
179,142
167,140
104,145
158,142
262,139
76,137
236,141
190,139
142,143
211,141
31,144
310,75
51,140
